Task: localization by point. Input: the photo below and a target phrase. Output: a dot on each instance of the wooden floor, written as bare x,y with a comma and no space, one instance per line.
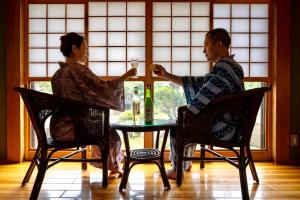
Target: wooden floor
218,181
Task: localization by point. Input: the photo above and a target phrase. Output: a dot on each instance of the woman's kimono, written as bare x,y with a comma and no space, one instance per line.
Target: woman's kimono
226,77
78,82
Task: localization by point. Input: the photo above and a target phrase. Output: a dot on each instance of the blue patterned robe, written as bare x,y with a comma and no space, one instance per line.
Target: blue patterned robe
226,77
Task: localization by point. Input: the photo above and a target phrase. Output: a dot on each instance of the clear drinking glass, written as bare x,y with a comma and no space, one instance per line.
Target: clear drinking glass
134,64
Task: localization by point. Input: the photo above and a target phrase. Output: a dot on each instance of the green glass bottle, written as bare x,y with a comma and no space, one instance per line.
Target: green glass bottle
148,107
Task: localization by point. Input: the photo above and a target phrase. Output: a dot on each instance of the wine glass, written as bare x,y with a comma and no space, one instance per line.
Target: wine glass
134,64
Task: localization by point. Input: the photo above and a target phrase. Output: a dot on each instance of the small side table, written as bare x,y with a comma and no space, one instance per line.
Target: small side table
146,155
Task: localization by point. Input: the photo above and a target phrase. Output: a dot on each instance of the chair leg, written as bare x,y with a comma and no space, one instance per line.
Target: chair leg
83,157
179,160
42,168
243,175
31,167
252,166
202,155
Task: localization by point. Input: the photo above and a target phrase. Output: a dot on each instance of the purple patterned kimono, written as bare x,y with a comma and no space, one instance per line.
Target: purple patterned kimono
78,82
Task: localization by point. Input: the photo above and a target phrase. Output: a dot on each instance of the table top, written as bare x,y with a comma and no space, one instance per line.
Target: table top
142,126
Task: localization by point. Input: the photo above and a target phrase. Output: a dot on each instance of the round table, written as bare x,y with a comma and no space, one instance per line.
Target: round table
146,155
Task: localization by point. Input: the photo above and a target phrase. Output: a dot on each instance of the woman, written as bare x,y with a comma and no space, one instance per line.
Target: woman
76,81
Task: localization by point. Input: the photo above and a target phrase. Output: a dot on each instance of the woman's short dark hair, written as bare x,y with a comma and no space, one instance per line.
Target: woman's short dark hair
68,40
219,34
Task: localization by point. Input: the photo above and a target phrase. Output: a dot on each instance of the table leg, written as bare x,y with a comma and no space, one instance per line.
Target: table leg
162,165
126,163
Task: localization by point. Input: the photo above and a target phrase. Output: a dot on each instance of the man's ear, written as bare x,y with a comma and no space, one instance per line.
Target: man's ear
220,44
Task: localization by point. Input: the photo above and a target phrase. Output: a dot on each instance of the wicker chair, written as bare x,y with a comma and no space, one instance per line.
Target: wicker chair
198,129
91,124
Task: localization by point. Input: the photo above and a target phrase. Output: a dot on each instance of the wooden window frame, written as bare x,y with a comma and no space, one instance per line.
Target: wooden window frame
265,154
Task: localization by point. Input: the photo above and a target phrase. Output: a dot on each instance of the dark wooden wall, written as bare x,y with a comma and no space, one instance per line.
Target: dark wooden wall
295,77
2,82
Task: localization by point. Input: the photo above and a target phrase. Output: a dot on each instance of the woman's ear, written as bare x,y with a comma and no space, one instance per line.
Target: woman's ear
74,47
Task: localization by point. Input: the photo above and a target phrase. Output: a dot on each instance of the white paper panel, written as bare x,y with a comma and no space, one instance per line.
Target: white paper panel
116,54
259,55
97,39
161,39
97,8
199,68
99,68
136,9
259,40
37,40
222,23
54,40
37,10
56,11
161,24
136,52
116,8
181,39
180,9
75,25
240,25
116,68
37,70
140,68
259,25
221,10
180,54
37,25
240,40
241,54
162,9
136,39
97,23
37,55
161,54
245,67
75,10
198,38
259,70
56,26
136,23
181,69
181,24
54,55
97,54
116,23
240,10
259,10
116,38
197,54
200,9
200,23
52,68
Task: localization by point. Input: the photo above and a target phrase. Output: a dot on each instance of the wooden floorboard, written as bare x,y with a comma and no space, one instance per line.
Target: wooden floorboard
217,181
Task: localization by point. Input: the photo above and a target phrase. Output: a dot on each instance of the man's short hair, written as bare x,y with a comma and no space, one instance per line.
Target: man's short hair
219,34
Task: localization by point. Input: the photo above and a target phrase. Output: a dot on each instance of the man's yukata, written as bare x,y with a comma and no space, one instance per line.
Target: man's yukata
226,77
78,82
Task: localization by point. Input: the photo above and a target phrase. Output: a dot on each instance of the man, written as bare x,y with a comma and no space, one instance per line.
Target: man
225,77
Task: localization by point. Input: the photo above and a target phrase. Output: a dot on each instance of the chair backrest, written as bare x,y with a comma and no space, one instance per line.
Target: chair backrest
244,106
86,117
